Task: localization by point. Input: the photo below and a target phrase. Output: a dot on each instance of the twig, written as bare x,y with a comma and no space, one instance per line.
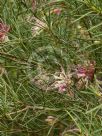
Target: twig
34,108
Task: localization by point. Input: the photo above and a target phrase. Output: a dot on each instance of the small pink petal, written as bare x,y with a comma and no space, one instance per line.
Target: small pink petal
62,88
81,72
57,11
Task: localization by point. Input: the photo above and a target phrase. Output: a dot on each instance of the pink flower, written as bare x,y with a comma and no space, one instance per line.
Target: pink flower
86,72
81,72
62,88
3,31
57,11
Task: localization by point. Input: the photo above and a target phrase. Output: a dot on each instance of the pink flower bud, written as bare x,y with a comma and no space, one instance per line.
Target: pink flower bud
57,11
3,30
81,72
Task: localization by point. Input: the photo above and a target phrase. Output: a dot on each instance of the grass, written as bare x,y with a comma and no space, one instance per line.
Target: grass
41,44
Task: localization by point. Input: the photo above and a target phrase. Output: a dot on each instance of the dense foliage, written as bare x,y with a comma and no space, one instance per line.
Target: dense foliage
50,68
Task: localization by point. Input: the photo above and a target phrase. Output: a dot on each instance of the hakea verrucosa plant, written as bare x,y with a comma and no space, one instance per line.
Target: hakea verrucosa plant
4,29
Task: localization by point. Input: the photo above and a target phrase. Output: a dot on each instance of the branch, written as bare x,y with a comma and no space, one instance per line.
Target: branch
15,59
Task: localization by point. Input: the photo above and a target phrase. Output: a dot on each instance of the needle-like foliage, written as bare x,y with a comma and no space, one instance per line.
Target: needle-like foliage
50,68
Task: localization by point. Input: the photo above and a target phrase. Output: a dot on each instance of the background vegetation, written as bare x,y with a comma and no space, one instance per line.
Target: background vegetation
44,36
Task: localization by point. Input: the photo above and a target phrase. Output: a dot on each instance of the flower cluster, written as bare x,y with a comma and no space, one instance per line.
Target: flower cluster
62,81
81,74
3,31
77,76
